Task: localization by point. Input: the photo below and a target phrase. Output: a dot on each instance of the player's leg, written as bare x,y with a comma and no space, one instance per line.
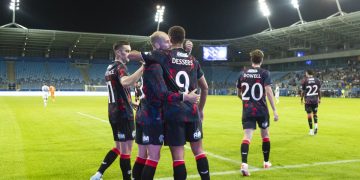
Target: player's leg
45,97
128,129
177,153
249,125
53,97
142,154
175,139
202,162
139,162
111,155
194,135
155,139
264,123
315,109
149,170
266,147
308,110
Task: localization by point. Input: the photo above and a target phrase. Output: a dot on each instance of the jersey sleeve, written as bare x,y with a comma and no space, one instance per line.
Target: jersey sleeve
238,83
303,86
200,72
163,94
156,56
121,72
267,78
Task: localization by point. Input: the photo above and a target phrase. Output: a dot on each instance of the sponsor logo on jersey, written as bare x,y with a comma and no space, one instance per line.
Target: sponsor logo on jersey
181,54
252,70
252,75
185,62
121,136
133,134
197,134
145,138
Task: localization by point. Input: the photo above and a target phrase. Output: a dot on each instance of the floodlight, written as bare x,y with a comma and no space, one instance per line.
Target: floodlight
159,15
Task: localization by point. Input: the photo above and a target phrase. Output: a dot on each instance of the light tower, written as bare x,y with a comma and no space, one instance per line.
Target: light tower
295,4
159,15
14,6
266,12
340,12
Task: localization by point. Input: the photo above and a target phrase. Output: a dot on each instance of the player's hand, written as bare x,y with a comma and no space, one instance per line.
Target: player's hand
192,97
276,116
201,113
188,46
319,101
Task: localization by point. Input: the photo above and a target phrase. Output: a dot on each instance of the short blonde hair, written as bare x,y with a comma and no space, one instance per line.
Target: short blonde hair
156,36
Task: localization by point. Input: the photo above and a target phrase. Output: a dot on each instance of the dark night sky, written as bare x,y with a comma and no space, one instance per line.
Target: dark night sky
203,19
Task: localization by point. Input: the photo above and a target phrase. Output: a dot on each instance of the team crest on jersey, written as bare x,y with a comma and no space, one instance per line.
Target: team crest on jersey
145,138
121,136
197,134
161,138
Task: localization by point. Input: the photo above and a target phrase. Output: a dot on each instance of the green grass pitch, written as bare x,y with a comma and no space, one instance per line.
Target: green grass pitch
69,138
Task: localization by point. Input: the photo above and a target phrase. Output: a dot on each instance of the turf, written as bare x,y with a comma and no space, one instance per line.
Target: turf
60,142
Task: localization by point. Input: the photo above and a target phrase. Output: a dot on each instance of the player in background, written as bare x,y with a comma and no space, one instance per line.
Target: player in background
45,92
138,91
52,93
277,93
120,110
254,85
311,91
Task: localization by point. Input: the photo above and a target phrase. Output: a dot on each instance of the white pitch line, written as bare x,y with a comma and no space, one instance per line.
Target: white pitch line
93,117
272,168
219,157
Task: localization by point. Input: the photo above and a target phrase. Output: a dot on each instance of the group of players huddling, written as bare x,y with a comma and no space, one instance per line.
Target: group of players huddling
171,113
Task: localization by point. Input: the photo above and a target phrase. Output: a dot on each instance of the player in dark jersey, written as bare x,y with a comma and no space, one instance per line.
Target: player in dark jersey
120,110
149,121
254,84
182,74
310,87
191,123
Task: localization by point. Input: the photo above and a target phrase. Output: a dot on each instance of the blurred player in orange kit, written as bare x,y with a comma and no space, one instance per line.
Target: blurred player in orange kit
52,93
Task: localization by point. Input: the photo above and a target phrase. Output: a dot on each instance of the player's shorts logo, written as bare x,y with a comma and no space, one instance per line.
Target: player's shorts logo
133,134
264,124
197,134
145,138
161,138
121,136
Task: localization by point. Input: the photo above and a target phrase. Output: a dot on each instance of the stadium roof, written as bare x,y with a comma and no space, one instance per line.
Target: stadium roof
316,37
